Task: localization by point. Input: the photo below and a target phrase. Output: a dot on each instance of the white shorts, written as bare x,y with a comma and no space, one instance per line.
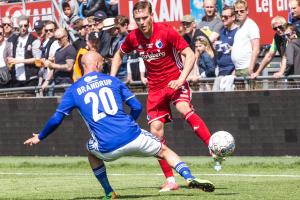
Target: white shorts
146,144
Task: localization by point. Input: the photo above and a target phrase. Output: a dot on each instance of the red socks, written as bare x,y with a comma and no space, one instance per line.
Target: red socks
167,170
198,126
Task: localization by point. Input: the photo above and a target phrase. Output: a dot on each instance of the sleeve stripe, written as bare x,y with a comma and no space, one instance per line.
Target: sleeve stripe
129,98
62,112
122,50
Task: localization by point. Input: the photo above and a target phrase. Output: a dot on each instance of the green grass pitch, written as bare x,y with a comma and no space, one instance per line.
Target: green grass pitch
242,178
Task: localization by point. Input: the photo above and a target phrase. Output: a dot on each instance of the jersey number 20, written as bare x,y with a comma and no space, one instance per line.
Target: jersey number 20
107,99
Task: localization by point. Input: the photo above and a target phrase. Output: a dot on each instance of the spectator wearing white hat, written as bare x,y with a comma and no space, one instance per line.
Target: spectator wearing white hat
113,27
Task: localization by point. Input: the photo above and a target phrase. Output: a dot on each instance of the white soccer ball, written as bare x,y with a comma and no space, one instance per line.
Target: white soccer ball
221,143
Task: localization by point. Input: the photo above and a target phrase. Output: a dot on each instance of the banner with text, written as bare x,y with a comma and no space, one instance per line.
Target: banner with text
36,10
168,11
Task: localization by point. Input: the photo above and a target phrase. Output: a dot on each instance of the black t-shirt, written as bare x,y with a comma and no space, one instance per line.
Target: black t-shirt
61,55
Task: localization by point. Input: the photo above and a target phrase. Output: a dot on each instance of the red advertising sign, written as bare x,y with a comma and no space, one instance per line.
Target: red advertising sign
36,10
262,12
169,11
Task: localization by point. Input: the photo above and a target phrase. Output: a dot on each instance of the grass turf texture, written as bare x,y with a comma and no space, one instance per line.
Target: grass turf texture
139,178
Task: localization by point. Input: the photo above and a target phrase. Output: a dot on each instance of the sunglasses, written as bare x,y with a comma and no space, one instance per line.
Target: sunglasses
91,25
287,35
85,26
225,16
186,24
60,38
239,11
23,25
49,30
6,24
281,28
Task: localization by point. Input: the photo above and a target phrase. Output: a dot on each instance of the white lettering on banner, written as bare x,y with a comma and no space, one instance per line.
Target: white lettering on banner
266,6
45,12
282,5
176,10
166,13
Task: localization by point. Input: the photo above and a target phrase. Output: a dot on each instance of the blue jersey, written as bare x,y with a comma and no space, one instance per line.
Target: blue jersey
223,50
99,97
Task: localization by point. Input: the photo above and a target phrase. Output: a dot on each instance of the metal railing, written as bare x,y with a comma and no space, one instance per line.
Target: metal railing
202,85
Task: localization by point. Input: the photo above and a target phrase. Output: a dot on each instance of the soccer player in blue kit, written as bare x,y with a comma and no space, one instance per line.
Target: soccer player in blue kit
114,133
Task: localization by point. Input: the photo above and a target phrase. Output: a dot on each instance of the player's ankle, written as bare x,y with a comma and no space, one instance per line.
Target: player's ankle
171,179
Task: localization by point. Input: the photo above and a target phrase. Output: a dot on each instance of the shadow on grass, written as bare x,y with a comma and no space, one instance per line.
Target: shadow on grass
140,196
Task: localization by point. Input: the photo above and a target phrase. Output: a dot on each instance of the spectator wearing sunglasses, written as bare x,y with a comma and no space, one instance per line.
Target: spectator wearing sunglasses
26,50
278,24
64,59
225,42
292,52
8,29
246,43
49,47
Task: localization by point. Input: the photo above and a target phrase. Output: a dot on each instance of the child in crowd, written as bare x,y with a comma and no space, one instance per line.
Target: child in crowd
205,64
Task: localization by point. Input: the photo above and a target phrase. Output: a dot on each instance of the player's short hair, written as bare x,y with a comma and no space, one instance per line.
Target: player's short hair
241,2
142,5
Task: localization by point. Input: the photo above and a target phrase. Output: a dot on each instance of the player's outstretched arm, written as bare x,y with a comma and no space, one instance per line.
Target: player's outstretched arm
33,140
51,125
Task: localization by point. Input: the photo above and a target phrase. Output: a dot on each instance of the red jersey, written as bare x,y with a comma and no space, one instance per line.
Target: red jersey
160,52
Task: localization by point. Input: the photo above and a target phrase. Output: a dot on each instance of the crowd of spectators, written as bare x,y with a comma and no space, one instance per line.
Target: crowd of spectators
226,45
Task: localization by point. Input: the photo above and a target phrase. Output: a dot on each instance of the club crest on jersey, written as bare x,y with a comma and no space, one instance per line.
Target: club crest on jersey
90,78
159,44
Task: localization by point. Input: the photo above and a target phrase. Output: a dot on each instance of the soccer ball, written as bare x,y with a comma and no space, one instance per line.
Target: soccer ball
221,144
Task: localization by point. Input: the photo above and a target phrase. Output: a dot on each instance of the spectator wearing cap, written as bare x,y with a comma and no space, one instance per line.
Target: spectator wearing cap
99,16
26,49
190,31
279,44
8,29
88,8
211,23
111,26
246,43
39,29
64,59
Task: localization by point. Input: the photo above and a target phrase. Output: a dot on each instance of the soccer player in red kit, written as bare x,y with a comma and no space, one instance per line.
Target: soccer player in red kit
161,48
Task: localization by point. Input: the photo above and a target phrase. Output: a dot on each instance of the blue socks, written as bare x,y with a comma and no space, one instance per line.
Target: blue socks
184,170
100,173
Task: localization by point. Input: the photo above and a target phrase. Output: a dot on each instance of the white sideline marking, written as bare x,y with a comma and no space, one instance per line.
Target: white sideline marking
113,174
